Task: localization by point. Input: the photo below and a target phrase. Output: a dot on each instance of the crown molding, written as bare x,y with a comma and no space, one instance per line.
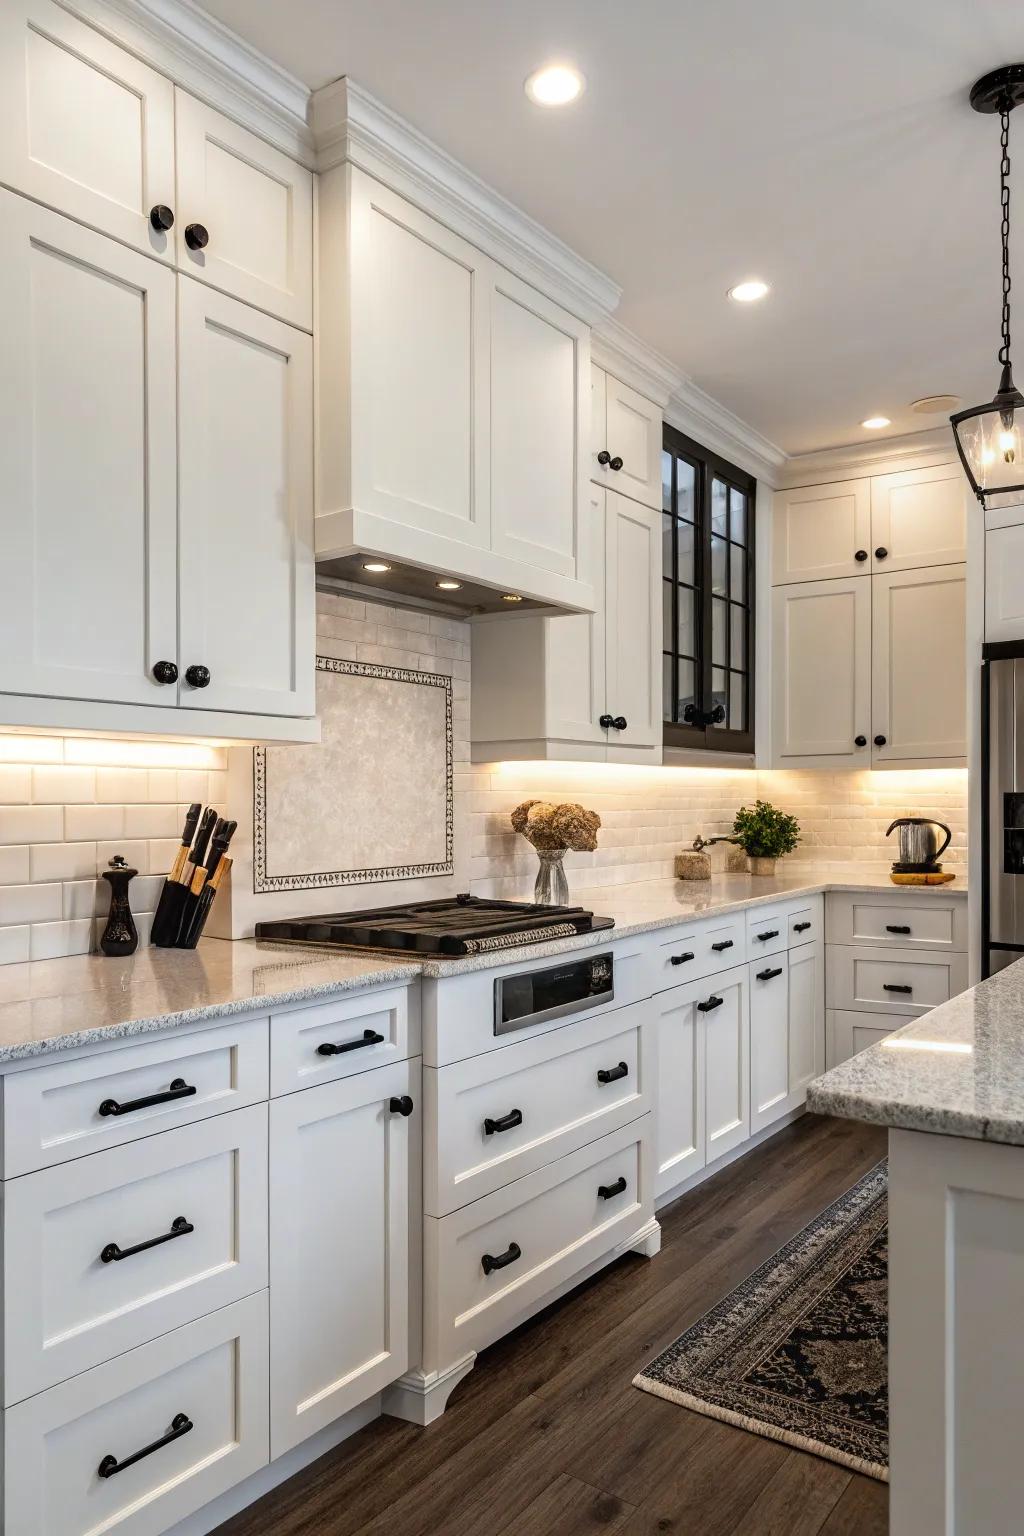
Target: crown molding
632,361
181,41
702,417
350,125
887,455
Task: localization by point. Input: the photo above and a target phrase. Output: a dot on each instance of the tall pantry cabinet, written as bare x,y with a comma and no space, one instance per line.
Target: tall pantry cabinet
155,435
869,622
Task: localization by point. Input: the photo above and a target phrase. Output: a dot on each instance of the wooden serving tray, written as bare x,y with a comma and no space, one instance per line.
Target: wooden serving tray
942,878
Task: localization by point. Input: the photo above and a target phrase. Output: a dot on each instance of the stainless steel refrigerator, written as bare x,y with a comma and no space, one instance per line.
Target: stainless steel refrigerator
1002,813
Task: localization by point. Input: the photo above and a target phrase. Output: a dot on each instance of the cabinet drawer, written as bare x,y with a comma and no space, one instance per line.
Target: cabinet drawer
497,1117
929,922
848,1033
337,1039
805,926
892,981
72,1303
56,1112
700,950
213,1374
547,1227
767,931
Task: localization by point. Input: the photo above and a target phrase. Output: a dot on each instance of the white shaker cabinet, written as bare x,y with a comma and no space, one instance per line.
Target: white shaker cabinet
919,518
632,626
626,431
725,1008
85,127
821,673
821,532
88,579
244,213
1004,582
787,1031
339,1255
919,666
246,499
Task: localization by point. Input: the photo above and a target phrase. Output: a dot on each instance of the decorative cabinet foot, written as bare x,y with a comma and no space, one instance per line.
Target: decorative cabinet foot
646,1242
420,1397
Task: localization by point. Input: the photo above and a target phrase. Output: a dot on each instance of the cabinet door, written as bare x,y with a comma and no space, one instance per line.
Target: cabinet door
87,462
418,394
632,433
1004,583
84,127
246,507
821,673
727,1061
806,1018
679,1111
256,206
819,530
575,651
339,1247
633,623
919,518
769,1040
919,668
539,377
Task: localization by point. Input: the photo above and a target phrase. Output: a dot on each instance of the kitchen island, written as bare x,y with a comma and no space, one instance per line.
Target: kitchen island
950,1088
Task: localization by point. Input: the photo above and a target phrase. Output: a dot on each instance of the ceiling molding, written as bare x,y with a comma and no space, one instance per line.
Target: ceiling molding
350,125
913,450
633,362
710,423
180,40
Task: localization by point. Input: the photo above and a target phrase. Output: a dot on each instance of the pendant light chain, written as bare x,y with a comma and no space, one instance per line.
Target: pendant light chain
1004,198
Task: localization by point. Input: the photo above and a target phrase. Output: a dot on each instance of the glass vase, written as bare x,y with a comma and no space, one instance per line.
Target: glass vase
552,888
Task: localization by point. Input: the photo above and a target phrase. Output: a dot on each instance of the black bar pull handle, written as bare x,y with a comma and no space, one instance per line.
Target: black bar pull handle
179,1089
180,1425
769,975
180,1227
712,1002
368,1037
800,927
608,1191
722,944
897,927
769,933
503,1123
612,1074
491,1261
681,959
895,986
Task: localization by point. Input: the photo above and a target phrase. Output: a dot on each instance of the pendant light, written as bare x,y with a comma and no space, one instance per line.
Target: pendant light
988,437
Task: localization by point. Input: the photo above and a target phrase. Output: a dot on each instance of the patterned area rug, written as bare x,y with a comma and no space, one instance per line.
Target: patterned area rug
798,1351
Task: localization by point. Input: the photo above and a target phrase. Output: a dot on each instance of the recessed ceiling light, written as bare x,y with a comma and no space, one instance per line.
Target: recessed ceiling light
875,423
448,586
378,567
555,85
511,597
935,405
749,291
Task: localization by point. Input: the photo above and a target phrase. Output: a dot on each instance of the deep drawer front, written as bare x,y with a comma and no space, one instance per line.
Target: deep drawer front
70,1107
497,1258
849,1033
767,931
892,981
700,950
930,922
110,1251
211,1376
337,1039
497,1117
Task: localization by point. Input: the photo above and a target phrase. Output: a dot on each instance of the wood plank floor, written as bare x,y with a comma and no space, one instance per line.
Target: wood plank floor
548,1436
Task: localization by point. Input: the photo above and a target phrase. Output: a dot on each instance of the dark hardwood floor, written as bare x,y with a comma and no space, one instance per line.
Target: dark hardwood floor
548,1437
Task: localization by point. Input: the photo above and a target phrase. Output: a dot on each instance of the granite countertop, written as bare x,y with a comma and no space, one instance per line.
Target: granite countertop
56,1005
956,1071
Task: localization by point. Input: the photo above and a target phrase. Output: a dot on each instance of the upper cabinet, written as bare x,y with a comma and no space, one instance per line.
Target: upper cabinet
918,518
453,403
822,531
821,673
625,433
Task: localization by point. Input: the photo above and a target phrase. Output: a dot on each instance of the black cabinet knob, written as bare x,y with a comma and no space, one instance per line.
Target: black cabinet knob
197,677
860,741
401,1106
161,217
879,741
881,553
604,457
197,236
861,555
615,463
606,722
165,672
619,723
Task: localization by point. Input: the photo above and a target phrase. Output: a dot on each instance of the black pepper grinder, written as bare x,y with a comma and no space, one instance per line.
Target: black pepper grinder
120,936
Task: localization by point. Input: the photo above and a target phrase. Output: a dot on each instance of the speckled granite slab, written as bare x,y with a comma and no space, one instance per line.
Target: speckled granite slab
957,1071
54,1005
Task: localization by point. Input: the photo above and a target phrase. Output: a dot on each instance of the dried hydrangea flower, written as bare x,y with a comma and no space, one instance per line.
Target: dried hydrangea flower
556,827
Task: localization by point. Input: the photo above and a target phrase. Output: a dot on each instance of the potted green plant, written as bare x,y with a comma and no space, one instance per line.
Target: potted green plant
765,833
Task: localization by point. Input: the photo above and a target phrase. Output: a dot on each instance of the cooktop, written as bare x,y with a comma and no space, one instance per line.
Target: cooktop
459,925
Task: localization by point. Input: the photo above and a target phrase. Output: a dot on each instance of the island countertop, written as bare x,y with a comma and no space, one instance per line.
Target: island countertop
956,1071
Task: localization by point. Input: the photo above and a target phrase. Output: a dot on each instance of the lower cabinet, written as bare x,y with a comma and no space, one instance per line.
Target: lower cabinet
339,1241
848,1033
787,1036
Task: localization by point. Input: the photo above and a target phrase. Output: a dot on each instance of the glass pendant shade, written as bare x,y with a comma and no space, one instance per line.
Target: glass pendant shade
990,442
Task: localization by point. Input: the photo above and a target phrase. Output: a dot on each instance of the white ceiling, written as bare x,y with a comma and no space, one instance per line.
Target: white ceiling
828,148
